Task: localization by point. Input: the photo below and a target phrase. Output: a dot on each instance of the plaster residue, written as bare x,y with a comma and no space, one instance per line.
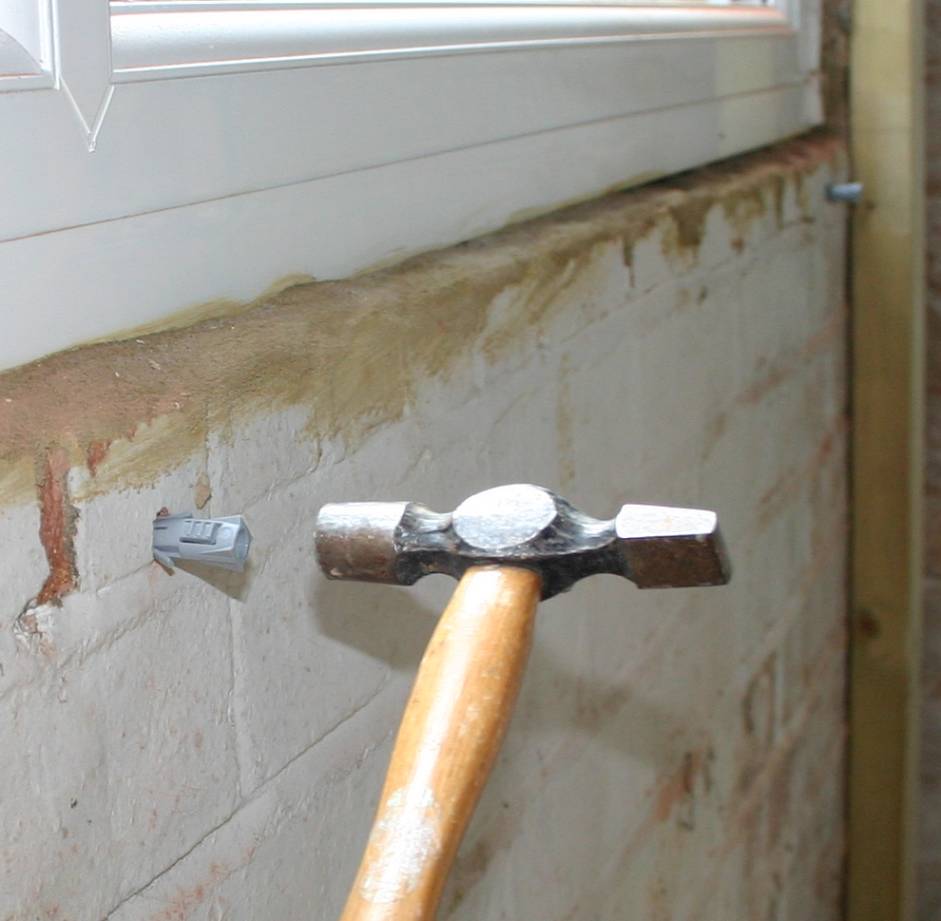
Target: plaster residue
353,351
404,841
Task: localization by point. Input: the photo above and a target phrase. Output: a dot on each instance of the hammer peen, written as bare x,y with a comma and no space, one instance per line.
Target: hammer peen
510,547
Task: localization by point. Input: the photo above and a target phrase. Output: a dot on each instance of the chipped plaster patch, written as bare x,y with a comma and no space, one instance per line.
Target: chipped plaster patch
33,629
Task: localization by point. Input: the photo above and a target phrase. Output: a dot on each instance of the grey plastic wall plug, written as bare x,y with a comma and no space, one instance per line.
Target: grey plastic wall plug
221,542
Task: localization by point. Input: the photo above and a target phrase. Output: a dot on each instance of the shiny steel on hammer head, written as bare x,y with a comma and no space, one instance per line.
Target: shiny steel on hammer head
526,526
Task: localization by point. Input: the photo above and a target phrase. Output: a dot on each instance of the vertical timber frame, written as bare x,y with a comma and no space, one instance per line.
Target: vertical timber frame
886,79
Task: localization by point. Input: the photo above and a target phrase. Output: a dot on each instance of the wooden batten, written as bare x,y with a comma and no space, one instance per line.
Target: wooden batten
888,398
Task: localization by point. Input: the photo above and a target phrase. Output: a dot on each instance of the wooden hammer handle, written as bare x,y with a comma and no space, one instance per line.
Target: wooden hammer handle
450,734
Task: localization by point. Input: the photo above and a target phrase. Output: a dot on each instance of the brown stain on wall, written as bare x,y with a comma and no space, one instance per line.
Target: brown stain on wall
352,351
689,218
741,203
95,453
677,788
185,902
57,528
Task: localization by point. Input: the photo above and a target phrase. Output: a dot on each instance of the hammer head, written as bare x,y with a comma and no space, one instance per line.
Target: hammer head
524,526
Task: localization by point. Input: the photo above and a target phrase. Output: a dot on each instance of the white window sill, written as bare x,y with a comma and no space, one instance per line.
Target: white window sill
153,40
203,151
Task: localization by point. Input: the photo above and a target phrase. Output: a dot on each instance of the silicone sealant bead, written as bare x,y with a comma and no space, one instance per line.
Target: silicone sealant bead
220,542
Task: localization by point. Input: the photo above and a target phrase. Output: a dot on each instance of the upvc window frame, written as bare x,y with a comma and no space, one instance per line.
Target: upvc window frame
154,39
362,131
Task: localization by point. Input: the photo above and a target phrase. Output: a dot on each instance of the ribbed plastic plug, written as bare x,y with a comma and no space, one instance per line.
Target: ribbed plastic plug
221,542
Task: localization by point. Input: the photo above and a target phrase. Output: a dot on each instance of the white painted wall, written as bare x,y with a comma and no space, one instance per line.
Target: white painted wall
202,749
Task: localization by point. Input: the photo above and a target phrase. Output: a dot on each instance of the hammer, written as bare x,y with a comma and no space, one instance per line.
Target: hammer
510,547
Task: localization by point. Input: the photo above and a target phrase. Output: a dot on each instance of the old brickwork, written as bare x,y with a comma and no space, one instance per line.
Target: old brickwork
211,748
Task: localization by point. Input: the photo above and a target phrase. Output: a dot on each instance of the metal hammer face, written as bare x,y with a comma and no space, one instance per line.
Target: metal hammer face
523,526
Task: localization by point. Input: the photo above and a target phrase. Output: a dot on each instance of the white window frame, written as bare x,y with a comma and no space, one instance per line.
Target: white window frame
158,155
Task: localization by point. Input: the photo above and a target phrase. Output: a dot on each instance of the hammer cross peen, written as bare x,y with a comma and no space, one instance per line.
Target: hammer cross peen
509,546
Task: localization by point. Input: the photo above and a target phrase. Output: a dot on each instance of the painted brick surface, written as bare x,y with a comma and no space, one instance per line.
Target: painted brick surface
211,748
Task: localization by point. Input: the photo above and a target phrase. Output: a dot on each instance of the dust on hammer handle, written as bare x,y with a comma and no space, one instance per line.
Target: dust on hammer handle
510,547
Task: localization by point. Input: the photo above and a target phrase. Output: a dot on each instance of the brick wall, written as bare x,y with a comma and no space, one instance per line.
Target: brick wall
211,747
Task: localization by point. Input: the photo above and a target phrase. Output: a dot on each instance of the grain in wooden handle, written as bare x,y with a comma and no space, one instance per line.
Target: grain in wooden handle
450,734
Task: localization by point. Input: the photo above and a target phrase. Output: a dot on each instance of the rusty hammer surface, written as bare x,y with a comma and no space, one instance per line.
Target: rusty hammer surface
523,526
